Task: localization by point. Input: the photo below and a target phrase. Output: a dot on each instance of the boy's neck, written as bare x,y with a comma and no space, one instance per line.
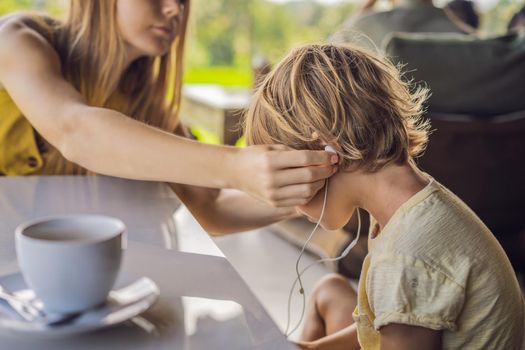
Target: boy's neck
383,192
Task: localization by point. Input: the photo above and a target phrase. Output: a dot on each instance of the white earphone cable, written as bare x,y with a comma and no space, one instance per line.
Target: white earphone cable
300,273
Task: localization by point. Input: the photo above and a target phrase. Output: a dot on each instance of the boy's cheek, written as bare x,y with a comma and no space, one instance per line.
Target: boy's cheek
315,206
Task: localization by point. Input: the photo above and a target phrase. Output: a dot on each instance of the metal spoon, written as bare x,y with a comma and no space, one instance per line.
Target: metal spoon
31,312
23,308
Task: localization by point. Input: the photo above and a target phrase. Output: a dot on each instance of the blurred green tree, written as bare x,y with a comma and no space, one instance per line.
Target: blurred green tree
224,35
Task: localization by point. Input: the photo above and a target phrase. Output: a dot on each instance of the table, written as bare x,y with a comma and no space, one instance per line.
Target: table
215,108
204,303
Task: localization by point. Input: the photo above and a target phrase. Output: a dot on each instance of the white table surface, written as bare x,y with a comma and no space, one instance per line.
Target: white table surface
204,303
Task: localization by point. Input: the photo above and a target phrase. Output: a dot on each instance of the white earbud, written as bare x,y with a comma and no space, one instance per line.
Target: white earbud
330,149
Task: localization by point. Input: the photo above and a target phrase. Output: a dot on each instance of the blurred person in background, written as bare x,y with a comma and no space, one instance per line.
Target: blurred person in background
369,27
463,12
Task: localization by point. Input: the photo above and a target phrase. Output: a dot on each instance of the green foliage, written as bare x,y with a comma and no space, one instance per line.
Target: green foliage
496,19
228,76
52,7
224,35
241,142
220,26
7,6
228,33
231,32
205,136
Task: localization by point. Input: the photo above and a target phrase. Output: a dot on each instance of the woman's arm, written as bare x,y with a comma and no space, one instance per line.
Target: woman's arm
228,211
108,142
222,212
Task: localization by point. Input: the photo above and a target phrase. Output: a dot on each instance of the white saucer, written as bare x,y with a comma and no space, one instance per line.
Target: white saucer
136,295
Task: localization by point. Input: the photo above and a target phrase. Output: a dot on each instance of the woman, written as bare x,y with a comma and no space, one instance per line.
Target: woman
100,93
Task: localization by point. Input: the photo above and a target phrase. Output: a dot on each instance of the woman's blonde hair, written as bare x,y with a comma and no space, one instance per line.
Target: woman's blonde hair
343,96
92,52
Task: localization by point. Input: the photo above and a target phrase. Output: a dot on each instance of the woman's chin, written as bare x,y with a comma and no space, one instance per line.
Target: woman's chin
155,48
159,51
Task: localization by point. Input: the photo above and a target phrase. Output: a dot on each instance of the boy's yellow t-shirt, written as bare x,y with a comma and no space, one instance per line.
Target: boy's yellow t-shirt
436,265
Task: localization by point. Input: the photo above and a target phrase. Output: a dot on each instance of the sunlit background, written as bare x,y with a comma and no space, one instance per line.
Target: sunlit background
226,35
228,38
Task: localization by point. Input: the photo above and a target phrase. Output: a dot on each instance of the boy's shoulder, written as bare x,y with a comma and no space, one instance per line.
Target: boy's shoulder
437,229
435,212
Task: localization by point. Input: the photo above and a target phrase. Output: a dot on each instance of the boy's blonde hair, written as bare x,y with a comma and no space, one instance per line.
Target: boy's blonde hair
340,95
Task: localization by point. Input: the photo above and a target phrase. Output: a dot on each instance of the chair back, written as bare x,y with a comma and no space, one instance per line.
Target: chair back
483,162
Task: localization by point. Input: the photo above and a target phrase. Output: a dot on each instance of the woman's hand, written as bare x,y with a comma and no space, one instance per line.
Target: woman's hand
281,176
306,345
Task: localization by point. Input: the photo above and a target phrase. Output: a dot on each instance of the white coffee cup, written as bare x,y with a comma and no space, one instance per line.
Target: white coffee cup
71,262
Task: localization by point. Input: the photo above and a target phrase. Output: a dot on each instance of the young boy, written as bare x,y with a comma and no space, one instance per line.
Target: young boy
435,277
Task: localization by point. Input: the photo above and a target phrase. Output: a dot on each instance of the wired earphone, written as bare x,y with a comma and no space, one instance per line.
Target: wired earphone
300,273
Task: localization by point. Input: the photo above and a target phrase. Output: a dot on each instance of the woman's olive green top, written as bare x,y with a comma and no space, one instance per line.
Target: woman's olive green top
19,150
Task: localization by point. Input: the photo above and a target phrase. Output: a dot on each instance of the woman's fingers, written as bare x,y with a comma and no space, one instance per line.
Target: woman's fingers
295,159
302,191
305,345
293,202
303,175
283,177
